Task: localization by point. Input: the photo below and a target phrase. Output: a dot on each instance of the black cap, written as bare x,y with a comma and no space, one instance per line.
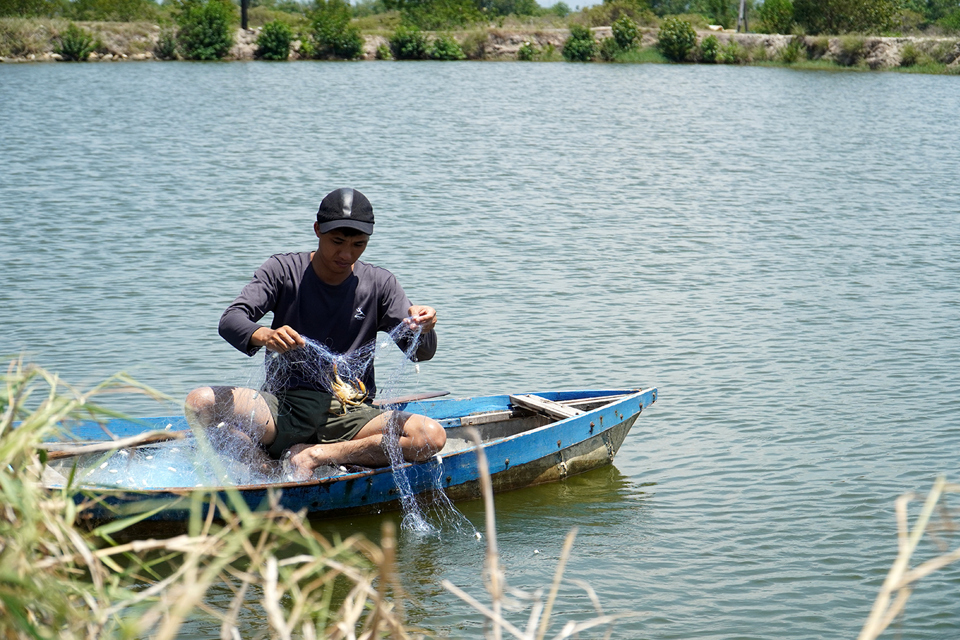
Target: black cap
345,208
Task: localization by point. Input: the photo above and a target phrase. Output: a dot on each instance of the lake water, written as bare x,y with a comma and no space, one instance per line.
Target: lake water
777,251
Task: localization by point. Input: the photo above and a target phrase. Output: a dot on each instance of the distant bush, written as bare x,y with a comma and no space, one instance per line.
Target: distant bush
718,12
75,44
607,13
206,28
733,53
852,50
409,43
951,21
625,33
580,46
30,8
710,49
776,16
794,49
383,53
676,39
560,9
474,44
609,49
911,55
333,35
435,15
166,47
446,48
527,52
274,40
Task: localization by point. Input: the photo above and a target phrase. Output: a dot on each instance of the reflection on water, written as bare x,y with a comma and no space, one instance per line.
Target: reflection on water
776,251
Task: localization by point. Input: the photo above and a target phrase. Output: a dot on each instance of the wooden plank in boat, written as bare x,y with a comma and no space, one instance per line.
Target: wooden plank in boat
542,405
598,401
486,418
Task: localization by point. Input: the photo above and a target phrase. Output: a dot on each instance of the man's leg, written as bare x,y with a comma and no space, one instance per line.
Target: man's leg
234,418
420,438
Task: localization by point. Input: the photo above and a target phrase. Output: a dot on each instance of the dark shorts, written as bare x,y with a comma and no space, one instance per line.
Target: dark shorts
305,416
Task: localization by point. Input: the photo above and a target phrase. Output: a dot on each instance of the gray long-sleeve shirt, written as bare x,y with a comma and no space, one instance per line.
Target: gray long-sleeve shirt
342,317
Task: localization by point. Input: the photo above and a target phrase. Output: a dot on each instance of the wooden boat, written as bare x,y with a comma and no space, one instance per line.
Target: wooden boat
528,439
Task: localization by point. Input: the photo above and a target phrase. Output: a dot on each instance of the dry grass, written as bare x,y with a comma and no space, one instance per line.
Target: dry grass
892,599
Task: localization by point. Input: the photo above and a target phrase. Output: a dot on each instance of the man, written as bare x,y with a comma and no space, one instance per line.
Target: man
337,301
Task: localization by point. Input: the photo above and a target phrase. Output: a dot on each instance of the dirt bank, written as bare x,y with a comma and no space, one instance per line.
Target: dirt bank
34,41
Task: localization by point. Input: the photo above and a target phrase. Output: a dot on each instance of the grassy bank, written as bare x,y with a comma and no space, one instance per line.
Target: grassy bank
38,39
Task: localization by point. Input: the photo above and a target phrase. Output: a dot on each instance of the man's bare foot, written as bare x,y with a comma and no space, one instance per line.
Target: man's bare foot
301,460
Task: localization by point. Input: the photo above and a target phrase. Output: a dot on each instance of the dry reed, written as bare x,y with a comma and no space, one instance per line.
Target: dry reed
901,578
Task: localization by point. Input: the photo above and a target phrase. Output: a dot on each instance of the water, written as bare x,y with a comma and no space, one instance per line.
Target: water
777,251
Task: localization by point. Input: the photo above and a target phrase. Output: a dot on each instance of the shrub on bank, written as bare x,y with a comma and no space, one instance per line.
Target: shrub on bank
166,47
446,48
580,46
794,49
274,40
852,50
333,35
527,52
710,50
206,28
75,44
676,39
625,33
408,43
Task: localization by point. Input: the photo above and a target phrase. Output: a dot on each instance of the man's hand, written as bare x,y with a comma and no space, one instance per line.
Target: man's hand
280,340
423,317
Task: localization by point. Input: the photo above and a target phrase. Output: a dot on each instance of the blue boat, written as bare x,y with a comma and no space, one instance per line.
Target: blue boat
528,439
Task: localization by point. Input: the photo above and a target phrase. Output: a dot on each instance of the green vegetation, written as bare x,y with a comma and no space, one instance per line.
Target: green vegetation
446,48
333,37
625,33
846,16
676,39
580,46
205,28
527,52
75,44
710,50
166,48
794,50
776,16
274,40
852,50
408,43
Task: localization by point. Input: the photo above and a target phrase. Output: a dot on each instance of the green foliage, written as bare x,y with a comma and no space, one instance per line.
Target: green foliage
409,43
274,40
580,46
435,15
560,9
608,49
710,49
527,52
911,55
951,21
113,10
846,16
676,39
20,37
333,35
510,7
733,53
625,33
446,48
852,50
206,28
794,49
776,16
601,15
31,8
383,53
720,12
166,48
474,44
75,44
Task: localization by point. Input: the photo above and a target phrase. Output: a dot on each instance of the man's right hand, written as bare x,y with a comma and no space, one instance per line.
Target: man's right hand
280,340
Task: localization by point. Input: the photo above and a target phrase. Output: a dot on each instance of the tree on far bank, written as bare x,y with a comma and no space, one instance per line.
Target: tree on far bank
846,16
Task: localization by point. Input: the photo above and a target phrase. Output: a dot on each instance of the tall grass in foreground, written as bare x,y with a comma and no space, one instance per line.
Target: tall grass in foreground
901,578
58,580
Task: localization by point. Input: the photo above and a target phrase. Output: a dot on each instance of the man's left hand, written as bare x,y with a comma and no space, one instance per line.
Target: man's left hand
423,317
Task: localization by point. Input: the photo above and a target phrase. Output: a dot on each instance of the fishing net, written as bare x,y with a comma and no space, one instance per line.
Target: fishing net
240,461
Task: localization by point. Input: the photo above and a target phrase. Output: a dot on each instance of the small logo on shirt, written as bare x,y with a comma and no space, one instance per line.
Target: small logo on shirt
359,314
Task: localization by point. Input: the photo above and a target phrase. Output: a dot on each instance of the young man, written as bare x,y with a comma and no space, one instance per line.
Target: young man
336,300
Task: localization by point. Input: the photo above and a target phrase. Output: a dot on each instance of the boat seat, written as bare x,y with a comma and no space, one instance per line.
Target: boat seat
544,406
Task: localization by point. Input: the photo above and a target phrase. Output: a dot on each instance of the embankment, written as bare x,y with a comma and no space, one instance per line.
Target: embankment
24,40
